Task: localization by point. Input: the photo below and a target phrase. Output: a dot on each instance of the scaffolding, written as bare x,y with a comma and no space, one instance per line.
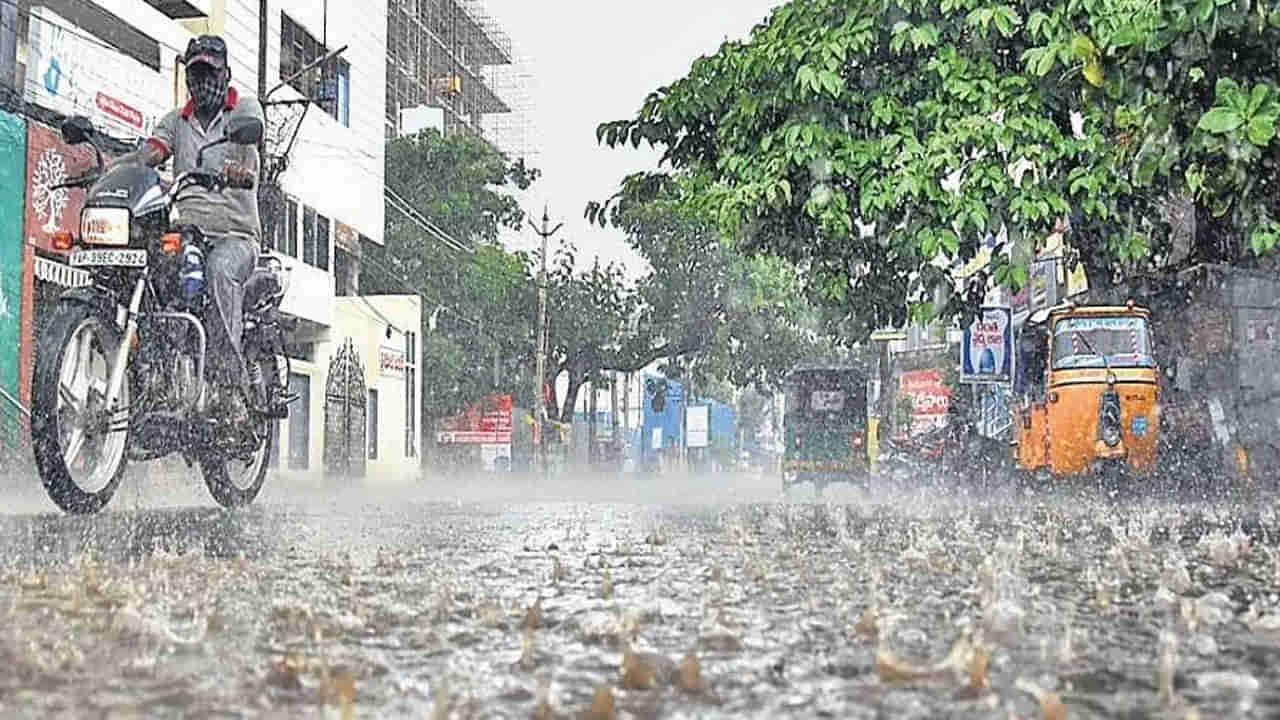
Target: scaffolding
451,55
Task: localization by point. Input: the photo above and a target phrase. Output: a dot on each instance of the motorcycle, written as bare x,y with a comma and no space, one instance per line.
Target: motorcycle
120,364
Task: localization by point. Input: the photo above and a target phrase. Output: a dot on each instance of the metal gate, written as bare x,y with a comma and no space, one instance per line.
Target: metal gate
345,422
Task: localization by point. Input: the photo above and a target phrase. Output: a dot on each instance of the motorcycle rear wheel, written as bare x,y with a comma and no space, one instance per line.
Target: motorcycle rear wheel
234,483
80,466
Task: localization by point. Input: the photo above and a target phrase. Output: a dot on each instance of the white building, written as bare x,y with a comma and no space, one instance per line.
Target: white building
127,50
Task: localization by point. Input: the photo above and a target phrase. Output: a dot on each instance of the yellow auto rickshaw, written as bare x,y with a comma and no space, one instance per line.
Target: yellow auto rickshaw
1087,394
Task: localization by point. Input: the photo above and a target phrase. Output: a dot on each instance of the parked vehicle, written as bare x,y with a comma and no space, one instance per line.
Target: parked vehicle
1088,399
825,427
120,364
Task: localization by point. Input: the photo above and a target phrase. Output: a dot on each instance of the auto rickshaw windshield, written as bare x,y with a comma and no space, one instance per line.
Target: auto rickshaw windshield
1086,342
829,396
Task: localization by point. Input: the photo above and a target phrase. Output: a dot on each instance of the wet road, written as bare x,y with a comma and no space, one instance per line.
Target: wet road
602,599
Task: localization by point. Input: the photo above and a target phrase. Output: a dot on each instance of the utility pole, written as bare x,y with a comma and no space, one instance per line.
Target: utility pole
262,71
613,415
539,440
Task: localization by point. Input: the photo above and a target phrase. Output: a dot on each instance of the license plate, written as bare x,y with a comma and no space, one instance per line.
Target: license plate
110,258
1140,426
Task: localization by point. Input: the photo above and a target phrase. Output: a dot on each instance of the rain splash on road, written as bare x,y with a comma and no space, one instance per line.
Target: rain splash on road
620,598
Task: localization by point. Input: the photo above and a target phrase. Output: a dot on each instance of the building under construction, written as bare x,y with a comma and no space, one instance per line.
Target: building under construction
450,66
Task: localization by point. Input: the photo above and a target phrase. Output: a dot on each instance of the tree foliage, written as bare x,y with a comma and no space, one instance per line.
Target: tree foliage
709,314
480,300
876,143
730,317
704,309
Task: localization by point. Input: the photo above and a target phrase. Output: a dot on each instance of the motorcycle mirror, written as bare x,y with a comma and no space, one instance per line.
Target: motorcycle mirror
244,130
77,129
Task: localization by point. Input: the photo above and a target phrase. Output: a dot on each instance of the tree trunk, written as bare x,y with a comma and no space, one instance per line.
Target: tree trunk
591,426
1215,242
571,396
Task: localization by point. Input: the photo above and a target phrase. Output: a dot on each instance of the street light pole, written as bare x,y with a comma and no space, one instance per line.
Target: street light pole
539,461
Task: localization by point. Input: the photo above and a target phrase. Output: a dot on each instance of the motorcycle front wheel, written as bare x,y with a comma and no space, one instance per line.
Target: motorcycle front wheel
79,447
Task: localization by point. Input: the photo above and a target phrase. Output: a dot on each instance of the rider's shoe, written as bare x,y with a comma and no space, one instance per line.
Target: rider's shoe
228,406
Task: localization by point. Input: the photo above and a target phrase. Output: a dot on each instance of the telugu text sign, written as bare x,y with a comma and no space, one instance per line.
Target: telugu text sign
930,399
987,349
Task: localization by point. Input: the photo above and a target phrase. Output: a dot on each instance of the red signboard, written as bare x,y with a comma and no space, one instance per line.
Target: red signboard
487,422
49,162
930,399
391,361
120,110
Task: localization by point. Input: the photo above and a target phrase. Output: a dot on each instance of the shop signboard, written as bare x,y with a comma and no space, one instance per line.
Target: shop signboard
987,349
74,73
391,362
487,422
930,399
1043,283
697,426
12,268
1077,280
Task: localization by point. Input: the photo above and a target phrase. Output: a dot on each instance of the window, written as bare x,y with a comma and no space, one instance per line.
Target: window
291,229
309,235
300,423
410,394
330,86
345,267
322,242
372,411
8,44
336,90
305,352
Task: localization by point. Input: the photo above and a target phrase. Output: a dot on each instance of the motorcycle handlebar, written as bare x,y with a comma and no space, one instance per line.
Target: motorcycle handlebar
81,181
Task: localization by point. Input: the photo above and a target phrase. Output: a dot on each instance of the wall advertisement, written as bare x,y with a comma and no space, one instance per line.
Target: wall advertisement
12,266
51,161
485,423
930,399
74,73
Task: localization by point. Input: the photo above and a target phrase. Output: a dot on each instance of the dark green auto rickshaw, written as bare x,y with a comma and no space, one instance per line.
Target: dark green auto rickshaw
825,427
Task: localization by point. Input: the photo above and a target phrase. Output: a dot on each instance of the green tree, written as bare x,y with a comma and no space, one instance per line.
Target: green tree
480,299
714,317
875,143
588,315
721,316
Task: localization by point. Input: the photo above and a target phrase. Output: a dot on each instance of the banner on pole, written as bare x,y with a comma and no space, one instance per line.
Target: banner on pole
987,349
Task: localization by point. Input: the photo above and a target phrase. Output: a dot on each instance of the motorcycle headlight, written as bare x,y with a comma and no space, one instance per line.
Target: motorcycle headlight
104,226
1109,421
1111,434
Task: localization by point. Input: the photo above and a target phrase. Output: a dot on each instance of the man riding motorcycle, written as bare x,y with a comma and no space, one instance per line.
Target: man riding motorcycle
228,218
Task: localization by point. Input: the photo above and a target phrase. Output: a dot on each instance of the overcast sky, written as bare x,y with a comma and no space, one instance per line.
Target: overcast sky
595,61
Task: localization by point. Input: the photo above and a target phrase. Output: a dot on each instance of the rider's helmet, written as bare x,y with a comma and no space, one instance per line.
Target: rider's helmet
208,74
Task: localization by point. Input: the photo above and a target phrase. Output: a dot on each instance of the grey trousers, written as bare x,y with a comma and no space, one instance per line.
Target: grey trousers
227,268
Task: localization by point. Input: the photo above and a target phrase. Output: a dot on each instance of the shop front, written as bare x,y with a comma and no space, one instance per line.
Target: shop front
358,409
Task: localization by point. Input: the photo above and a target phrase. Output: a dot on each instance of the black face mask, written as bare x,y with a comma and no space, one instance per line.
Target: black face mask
208,89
